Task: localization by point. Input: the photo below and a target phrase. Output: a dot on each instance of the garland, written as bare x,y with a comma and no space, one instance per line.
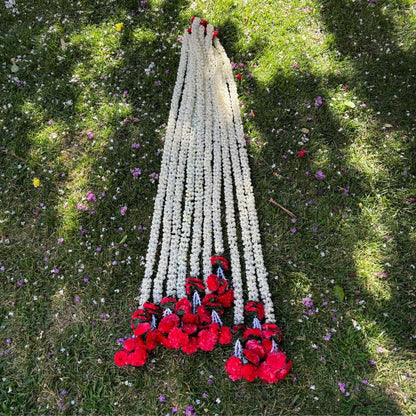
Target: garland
205,172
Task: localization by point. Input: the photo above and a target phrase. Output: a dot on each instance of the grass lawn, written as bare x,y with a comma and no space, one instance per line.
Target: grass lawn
83,110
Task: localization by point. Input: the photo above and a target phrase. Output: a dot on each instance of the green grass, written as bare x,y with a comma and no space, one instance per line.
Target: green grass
63,306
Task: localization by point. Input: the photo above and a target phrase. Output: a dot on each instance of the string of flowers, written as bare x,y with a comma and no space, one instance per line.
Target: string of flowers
172,218
200,132
208,158
217,97
249,194
146,285
204,174
227,124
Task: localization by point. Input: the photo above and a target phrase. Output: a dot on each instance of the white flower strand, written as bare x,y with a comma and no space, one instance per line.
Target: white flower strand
175,182
199,168
254,225
217,166
208,181
161,191
191,173
182,221
227,121
228,196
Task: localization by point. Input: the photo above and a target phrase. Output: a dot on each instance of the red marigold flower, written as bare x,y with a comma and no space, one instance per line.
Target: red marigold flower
227,298
270,330
194,284
190,318
267,345
222,260
252,332
204,314
249,372
168,302
234,368
256,347
276,360
177,338
151,308
239,328
225,335
251,307
207,340
260,310
142,329
138,357
301,153
285,371
183,306
211,301
238,77
251,356
214,328
190,328
132,343
266,373
256,307
120,358
223,287
191,347
168,322
141,316
153,338
213,282
190,323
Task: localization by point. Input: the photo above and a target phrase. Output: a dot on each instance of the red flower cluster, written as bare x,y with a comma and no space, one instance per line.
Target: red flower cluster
183,326
259,356
203,23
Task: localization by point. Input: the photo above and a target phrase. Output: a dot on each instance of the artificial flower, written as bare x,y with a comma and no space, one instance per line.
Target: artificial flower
234,368
137,358
207,340
120,358
249,372
168,322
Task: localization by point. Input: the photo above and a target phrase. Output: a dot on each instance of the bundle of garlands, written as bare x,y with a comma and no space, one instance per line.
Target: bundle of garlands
201,282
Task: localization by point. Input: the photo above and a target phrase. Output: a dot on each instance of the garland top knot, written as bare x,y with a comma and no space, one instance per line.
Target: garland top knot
193,300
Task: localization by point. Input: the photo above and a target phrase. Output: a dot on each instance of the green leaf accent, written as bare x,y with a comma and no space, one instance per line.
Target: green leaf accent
339,293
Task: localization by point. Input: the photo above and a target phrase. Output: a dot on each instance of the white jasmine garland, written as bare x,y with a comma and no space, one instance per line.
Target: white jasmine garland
199,168
204,173
254,226
191,171
208,180
217,98
161,190
172,218
228,124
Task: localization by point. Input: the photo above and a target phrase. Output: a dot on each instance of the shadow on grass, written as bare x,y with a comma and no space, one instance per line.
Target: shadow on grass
281,107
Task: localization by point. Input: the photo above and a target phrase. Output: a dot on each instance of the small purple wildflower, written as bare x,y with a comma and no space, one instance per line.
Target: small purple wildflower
91,196
318,101
136,172
123,210
307,302
319,175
